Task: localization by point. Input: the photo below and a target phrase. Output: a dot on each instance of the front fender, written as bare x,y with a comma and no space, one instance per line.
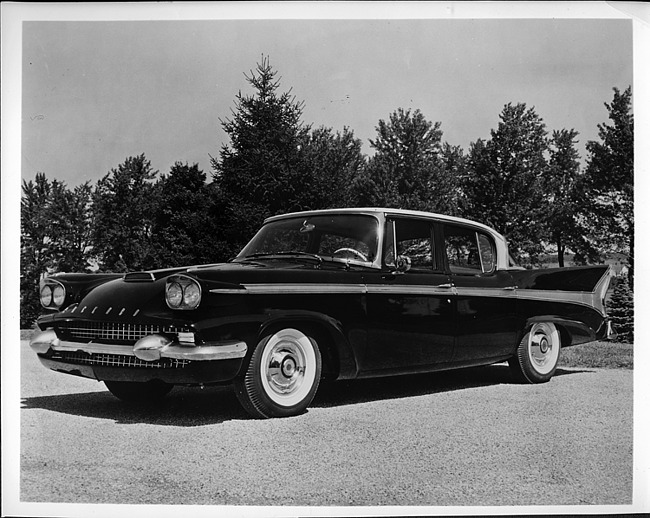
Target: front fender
328,332
338,345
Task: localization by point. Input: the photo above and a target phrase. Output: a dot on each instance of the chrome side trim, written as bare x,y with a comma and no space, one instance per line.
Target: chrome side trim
226,350
298,288
574,297
328,289
380,289
508,292
584,298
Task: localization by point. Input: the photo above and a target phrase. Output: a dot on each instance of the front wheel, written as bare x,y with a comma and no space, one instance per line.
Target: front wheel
537,355
138,392
282,376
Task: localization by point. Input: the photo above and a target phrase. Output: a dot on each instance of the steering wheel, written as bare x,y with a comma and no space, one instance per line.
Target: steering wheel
353,252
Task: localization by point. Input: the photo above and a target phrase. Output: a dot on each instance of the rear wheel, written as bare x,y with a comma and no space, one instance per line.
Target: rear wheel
537,355
282,376
139,392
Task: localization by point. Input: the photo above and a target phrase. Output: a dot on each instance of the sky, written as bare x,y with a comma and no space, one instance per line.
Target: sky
96,92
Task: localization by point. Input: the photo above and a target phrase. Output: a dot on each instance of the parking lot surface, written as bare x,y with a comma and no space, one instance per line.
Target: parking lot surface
463,438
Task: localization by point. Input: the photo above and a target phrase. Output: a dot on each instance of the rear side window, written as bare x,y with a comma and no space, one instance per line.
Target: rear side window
468,252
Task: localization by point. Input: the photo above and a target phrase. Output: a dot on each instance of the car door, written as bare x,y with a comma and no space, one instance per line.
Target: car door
410,321
484,297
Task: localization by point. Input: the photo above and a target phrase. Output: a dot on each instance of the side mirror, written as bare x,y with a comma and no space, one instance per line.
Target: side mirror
402,264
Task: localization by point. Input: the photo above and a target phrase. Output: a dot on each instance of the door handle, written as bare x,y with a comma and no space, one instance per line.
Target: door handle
447,286
511,288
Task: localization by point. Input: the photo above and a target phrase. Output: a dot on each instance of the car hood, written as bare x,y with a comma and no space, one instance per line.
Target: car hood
140,296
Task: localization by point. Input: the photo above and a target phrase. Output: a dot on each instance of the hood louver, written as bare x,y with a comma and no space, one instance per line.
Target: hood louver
139,277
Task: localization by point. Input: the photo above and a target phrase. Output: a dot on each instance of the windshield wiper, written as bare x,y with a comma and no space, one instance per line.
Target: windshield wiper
303,254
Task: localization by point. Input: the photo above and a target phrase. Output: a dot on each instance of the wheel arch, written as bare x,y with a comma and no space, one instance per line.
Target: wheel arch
572,332
339,361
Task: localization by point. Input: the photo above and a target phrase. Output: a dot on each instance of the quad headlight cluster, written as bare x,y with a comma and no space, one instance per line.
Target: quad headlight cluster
182,292
52,294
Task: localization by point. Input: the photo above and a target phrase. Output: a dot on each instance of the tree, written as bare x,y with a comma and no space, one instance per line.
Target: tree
610,176
185,229
621,310
451,197
34,259
260,172
266,134
275,163
406,170
124,204
503,187
332,162
55,227
70,225
565,197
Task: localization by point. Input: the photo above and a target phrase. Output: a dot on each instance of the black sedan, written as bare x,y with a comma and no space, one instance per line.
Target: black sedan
331,294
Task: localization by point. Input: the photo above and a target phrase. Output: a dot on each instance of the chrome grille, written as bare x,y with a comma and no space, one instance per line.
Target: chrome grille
111,331
119,360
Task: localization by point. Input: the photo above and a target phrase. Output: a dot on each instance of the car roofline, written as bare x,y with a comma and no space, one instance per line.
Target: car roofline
387,211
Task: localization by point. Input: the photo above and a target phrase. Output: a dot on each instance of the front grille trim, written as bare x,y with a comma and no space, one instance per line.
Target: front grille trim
110,332
118,360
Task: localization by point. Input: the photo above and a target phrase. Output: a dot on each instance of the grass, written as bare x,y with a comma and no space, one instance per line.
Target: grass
605,355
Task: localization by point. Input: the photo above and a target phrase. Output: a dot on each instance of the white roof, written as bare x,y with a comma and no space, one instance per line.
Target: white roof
384,211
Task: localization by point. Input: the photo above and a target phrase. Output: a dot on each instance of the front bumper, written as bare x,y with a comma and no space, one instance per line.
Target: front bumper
152,357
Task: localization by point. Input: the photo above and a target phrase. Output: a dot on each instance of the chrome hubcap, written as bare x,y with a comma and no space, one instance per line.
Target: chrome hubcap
286,368
544,347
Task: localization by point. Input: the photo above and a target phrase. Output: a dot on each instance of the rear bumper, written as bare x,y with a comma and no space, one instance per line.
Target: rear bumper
606,331
153,357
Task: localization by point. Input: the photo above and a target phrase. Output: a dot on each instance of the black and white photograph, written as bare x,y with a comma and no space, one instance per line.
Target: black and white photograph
324,258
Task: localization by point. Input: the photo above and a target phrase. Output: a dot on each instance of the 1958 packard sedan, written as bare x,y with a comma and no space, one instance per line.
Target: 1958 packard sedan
331,294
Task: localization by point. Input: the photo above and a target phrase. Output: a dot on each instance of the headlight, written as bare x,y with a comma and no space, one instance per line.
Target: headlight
46,296
174,295
52,294
182,292
58,295
192,295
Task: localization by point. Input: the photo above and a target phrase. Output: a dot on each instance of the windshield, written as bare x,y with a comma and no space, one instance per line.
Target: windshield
343,237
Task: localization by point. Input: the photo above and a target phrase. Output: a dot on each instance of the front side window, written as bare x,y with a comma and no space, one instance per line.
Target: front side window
468,251
414,241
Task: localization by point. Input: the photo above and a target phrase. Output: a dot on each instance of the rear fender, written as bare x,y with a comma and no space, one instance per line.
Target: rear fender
586,285
572,332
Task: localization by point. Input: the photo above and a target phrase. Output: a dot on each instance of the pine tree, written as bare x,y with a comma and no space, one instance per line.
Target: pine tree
275,163
621,310
259,173
261,164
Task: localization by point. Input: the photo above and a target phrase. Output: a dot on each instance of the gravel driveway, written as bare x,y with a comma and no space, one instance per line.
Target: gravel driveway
461,438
